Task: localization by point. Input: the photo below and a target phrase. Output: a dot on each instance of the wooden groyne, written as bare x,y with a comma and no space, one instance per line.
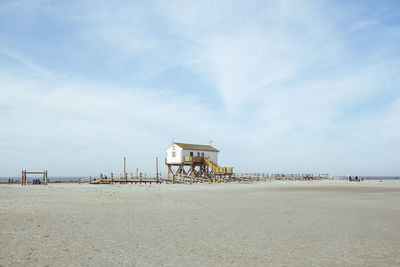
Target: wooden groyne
280,176
157,178
139,178
251,177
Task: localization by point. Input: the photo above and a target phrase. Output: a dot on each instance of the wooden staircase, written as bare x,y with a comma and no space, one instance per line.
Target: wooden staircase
217,170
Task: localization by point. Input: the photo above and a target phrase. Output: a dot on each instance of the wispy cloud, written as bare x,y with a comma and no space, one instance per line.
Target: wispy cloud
14,58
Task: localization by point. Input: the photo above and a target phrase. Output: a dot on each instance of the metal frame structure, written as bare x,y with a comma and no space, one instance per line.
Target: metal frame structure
24,173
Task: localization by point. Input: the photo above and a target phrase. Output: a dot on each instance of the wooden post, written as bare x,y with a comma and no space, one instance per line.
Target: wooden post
157,169
124,165
125,174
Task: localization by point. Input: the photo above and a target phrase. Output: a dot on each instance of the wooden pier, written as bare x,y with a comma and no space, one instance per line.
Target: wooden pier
125,179
246,178
152,178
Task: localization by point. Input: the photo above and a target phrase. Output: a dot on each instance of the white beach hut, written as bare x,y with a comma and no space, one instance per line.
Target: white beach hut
176,152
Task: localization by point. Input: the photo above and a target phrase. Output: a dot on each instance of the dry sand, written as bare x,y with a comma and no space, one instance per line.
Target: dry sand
316,223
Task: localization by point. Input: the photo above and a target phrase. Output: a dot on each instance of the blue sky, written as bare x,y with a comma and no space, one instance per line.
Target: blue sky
279,86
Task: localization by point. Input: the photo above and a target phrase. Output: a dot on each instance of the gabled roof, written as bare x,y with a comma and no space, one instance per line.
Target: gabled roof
197,147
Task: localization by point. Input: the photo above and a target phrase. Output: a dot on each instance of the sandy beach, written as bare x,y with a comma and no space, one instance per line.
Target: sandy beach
296,223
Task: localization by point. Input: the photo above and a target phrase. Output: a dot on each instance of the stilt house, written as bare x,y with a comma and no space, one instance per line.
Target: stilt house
176,152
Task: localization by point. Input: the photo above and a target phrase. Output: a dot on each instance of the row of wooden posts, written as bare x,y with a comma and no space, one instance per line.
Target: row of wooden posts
125,178
248,177
143,177
281,176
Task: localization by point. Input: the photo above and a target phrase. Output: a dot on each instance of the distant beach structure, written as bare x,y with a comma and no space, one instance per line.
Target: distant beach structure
24,180
195,162
176,152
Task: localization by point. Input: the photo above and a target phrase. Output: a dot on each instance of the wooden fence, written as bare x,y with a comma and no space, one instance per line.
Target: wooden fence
145,177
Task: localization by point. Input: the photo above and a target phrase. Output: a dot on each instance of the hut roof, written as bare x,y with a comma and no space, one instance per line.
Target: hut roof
197,147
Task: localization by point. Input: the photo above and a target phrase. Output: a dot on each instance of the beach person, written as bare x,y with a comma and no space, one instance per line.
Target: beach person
9,180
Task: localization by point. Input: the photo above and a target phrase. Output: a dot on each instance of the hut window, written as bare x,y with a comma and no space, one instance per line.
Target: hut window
202,154
198,154
173,154
191,154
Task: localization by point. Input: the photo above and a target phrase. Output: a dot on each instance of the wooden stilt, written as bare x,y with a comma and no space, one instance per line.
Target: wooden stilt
157,169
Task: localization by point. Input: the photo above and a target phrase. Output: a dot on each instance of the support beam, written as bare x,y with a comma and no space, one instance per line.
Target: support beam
157,169
124,166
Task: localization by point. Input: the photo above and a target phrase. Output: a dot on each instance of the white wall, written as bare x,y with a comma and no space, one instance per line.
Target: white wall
170,155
